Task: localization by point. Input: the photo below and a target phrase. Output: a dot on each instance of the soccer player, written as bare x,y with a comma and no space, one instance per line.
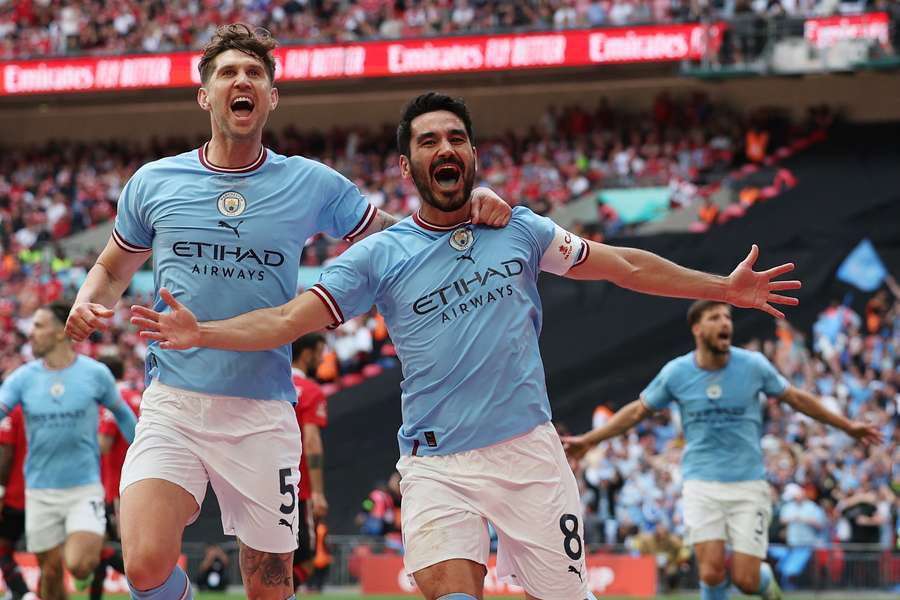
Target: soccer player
312,415
61,393
717,388
462,306
113,447
13,448
226,224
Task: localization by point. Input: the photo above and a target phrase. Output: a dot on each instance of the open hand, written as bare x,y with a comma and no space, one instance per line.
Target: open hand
755,289
176,329
85,318
576,446
865,433
489,209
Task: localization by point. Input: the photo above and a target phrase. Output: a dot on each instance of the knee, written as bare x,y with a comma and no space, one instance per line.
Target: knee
748,583
712,574
83,566
147,566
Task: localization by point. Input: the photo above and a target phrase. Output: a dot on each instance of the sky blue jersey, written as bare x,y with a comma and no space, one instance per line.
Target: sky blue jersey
720,412
61,409
462,306
228,241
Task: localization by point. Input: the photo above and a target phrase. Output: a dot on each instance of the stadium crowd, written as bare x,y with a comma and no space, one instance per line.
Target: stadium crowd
38,28
826,490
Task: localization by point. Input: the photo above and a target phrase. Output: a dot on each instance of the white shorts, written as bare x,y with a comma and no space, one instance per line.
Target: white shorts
51,515
524,487
738,513
248,450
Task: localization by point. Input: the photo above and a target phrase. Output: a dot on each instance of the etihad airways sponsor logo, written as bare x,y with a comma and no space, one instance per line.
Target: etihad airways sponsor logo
483,287
227,261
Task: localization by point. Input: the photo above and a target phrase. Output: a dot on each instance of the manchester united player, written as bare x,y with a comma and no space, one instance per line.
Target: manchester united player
13,448
312,414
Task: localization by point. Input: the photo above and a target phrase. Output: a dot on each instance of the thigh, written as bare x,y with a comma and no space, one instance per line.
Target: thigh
747,522
710,557
45,521
166,506
451,576
705,512
51,561
266,575
86,511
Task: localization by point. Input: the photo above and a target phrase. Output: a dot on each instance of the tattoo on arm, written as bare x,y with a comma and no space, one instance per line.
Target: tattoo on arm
381,222
315,461
265,568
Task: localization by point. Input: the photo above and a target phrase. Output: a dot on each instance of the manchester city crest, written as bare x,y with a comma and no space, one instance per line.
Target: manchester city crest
714,391
462,239
57,390
231,204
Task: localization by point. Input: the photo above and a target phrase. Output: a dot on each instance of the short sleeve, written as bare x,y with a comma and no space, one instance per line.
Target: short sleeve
773,384
555,249
657,396
132,232
345,212
346,286
11,391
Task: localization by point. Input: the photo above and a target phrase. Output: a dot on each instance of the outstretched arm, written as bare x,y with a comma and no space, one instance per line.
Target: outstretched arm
177,329
803,401
625,418
649,273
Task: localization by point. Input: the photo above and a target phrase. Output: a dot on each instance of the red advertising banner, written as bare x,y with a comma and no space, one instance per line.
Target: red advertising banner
378,59
824,32
608,575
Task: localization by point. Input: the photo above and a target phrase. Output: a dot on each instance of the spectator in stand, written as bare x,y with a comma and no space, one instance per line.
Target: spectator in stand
806,523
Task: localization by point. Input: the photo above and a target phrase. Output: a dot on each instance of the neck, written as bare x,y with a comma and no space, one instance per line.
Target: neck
445,219
230,153
60,357
709,360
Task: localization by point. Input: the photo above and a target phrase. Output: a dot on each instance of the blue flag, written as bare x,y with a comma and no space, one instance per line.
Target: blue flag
863,268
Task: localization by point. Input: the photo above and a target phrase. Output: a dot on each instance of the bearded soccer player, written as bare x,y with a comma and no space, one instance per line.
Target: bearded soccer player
61,393
462,305
312,416
13,448
718,389
226,224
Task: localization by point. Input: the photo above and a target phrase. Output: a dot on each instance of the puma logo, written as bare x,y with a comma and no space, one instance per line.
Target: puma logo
466,257
289,525
234,229
572,569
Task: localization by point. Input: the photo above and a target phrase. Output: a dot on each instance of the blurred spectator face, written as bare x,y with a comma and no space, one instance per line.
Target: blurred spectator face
441,160
238,95
46,333
713,331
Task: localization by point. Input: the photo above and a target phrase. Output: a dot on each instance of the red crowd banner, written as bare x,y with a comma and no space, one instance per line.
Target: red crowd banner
607,575
378,59
823,32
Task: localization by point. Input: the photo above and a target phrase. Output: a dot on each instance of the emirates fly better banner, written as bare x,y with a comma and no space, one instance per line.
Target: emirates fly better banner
378,59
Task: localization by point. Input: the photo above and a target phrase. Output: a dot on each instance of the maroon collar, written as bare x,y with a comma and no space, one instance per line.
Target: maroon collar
245,169
432,227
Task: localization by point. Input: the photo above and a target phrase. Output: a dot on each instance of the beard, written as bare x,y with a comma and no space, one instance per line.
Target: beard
423,180
711,344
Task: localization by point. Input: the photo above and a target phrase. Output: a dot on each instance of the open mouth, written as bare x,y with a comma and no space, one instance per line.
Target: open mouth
447,176
242,106
724,336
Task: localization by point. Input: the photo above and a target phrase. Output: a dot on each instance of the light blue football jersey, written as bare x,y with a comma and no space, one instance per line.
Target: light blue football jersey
463,310
61,409
228,241
720,413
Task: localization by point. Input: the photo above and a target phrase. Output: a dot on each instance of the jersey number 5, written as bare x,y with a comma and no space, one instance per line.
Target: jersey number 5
287,489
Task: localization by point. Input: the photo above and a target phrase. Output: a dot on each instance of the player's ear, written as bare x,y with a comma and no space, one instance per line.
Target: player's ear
203,99
273,98
404,166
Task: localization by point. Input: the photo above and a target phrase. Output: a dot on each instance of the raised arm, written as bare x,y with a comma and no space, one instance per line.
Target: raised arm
649,273
177,329
625,418
802,401
104,285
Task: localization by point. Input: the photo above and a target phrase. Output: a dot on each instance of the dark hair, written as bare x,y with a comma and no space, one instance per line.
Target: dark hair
256,42
695,312
306,342
59,309
114,364
426,103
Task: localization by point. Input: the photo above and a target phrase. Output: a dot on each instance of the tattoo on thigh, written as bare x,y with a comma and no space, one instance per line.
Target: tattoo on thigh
271,570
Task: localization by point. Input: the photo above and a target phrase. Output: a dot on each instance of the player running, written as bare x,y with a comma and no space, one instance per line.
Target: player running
13,448
312,415
61,393
462,305
226,224
717,388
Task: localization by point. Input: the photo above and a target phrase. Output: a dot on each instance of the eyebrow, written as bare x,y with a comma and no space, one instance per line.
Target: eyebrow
427,134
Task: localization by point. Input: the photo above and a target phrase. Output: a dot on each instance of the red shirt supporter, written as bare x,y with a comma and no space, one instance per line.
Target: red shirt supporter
312,409
12,433
111,462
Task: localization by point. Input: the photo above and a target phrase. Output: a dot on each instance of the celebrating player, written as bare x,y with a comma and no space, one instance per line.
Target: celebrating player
60,393
726,498
226,224
462,306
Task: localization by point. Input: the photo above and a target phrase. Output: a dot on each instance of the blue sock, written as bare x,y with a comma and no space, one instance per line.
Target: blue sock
717,592
457,596
176,587
765,577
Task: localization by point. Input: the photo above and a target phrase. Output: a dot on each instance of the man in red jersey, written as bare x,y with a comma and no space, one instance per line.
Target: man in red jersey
312,414
13,448
112,456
